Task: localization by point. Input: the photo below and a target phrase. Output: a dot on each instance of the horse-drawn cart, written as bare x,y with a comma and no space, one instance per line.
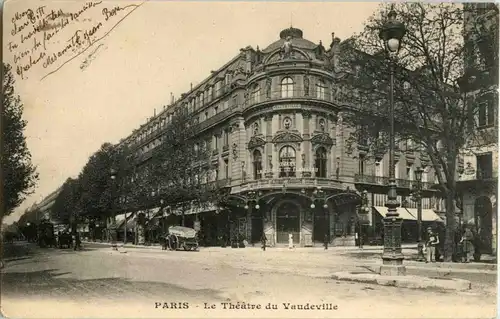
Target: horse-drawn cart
180,237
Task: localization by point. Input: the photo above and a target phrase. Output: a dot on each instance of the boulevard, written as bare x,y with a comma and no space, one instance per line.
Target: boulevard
224,282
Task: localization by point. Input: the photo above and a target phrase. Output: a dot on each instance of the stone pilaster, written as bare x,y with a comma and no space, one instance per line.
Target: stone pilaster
238,153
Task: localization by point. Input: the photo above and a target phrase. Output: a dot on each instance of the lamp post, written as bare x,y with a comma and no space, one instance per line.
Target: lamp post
113,230
391,33
417,197
365,210
253,197
319,195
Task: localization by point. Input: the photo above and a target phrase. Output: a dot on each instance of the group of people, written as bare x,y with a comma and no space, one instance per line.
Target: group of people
464,243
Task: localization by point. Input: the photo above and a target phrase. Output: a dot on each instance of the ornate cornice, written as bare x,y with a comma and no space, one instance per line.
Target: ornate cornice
256,141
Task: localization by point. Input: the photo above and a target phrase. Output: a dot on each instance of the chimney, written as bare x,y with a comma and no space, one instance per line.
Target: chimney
191,86
171,98
154,112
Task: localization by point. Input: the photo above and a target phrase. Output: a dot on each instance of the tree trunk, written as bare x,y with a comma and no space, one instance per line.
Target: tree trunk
449,243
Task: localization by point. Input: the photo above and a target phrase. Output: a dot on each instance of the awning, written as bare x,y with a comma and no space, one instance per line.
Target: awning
403,213
428,215
121,223
195,209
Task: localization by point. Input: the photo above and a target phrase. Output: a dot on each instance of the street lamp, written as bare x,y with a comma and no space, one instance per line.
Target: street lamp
253,197
417,197
112,175
365,210
392,32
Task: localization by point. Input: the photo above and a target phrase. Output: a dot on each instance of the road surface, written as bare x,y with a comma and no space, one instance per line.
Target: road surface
98,282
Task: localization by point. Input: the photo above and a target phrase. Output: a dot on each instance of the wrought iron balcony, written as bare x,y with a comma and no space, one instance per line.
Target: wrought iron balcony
292,182
261,96
384,181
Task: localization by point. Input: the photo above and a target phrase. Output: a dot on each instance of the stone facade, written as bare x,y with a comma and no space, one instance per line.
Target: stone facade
274,121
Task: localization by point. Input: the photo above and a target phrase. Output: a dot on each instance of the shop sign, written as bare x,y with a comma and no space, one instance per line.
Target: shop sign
197,225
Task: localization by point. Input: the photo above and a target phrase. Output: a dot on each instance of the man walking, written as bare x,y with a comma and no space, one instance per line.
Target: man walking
325,241
430,244
263,240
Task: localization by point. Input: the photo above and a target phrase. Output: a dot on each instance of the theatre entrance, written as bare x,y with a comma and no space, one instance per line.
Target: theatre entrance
288,221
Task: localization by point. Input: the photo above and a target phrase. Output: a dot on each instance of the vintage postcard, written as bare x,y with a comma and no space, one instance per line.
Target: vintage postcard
231,159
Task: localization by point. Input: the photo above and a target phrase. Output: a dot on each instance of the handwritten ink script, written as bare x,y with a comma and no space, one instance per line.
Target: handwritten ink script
48,38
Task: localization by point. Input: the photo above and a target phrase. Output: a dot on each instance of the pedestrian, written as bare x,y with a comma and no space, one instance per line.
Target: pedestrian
263,240
430,244
467,244
78,241
114,236
290,241
325,241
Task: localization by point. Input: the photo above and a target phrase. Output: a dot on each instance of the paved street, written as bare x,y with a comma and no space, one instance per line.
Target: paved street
141,282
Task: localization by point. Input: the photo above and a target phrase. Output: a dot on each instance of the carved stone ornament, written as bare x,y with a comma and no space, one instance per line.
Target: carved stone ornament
235,150
256,141
287,137
323,139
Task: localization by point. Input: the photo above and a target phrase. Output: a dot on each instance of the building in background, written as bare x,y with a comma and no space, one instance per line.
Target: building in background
479,179
274,122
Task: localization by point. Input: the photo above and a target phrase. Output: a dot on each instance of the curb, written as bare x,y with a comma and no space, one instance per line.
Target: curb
412,282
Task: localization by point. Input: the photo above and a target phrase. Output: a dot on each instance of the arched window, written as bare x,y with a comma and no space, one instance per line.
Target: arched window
321,162
256,94
257,164
287,161
320,89
256,129
287,87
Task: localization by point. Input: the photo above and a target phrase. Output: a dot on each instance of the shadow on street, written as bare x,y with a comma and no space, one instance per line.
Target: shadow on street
52,283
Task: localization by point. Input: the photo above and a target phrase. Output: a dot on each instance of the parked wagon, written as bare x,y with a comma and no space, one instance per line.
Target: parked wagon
180,237
65,240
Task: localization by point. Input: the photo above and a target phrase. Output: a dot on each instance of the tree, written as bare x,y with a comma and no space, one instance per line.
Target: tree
66,205
95,183
20,176
181,166
430,108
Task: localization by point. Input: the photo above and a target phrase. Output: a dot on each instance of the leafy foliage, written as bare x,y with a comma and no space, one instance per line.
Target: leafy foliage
431,108
65,208
20,177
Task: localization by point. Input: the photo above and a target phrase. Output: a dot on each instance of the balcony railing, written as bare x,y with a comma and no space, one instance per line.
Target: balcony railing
292,182
261,96
384,181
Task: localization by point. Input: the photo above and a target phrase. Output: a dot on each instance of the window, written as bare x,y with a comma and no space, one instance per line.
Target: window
321,162
361,164
484,166
227,79
202,101
379,169
409,172
287,161
210,92
396,170
425,174
216,172
486,116
206,115
226,168
216,109
216,144
257,164
256,94
287,87
320,89
226,137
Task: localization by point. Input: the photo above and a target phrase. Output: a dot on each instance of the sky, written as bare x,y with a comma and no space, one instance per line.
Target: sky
91,74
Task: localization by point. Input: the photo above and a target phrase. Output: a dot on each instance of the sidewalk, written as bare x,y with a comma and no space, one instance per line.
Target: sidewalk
345,253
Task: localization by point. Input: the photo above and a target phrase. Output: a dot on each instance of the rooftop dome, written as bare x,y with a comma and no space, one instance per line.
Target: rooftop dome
297,40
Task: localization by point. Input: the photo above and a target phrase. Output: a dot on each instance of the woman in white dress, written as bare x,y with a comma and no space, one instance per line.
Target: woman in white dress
290,241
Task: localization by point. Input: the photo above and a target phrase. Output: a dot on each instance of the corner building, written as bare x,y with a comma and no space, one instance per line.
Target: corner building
273,119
